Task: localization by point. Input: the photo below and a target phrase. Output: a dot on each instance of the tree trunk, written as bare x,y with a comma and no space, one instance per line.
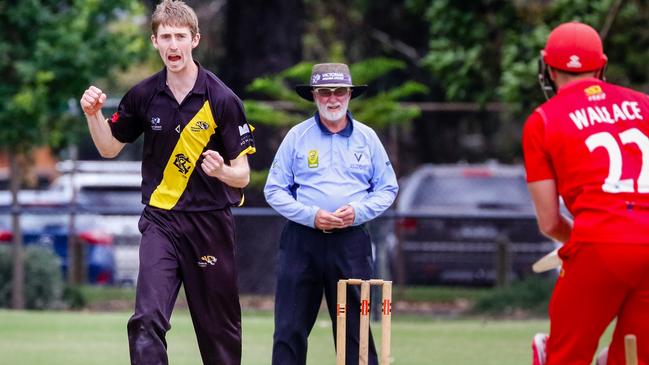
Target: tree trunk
261,37
18,273
76,267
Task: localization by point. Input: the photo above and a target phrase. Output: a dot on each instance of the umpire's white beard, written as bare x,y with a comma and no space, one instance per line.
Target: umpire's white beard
333,115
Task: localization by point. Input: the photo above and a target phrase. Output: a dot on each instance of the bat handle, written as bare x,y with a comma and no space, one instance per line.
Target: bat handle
630,350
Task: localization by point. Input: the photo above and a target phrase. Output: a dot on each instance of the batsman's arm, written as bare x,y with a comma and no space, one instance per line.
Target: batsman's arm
551,222
92,101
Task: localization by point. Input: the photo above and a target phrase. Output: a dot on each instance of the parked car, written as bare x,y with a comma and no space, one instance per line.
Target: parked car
458,224
51,231
104,187
107,191
113,190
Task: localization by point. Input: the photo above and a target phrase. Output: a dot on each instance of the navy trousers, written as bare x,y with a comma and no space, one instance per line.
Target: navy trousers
311,262
195,249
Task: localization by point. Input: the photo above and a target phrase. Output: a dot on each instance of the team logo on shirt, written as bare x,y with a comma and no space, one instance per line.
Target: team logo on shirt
312,158
207,260
199,125
155,124
594,93
182,163
115,117
358,162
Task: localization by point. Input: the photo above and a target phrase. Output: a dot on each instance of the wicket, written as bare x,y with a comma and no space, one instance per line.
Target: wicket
386,317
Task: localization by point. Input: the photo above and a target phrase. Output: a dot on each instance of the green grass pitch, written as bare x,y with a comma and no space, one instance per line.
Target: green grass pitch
92,338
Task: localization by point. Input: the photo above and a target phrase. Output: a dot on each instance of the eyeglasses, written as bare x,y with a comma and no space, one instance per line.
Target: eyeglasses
326,92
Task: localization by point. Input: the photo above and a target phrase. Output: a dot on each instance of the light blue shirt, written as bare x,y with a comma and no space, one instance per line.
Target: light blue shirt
316,169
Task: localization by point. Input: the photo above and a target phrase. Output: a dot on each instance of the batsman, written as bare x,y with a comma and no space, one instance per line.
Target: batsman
589,145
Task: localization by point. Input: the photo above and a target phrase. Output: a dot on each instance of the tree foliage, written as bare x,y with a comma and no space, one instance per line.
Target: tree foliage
488,50
379,108
43,279
50,51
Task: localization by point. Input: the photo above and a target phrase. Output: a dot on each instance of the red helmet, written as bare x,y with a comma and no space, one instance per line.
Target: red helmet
574,47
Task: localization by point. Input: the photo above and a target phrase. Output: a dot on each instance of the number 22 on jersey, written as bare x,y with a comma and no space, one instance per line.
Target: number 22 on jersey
613,182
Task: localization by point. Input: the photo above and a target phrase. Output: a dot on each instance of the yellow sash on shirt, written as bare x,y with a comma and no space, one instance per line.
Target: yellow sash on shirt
193,139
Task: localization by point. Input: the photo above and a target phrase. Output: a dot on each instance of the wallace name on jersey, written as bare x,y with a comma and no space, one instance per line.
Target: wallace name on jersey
586,117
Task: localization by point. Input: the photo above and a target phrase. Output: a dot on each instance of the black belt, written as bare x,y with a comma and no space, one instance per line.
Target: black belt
341,230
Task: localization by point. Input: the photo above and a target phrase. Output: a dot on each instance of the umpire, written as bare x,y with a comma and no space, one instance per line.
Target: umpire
330,175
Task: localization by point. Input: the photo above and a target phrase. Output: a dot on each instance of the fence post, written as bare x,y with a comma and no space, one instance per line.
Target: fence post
503,261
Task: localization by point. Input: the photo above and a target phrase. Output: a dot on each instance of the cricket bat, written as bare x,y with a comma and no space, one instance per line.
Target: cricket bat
548,262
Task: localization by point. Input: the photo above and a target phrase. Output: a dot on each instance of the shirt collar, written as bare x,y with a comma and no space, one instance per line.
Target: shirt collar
199,86
578,82
346,132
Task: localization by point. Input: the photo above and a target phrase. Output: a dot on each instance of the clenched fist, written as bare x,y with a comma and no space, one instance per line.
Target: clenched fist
213,163
93,100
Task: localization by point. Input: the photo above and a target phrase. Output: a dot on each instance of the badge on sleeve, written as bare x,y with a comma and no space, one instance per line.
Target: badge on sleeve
313,158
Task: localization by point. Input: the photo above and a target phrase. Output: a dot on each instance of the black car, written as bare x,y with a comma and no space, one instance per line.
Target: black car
465,224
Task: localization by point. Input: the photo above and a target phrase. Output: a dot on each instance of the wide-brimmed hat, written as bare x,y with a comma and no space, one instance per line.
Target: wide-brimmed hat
329,75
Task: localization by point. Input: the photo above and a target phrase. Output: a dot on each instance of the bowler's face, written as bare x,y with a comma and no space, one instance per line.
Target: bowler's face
175,45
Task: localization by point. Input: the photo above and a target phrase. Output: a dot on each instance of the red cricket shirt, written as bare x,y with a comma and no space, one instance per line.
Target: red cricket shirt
592,138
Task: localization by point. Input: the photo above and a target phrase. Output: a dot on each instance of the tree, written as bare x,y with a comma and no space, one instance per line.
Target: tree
261,37
488,50
379,108
50,51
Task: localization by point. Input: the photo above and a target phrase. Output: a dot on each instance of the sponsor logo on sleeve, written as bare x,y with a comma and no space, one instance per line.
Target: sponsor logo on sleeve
245,132
244,129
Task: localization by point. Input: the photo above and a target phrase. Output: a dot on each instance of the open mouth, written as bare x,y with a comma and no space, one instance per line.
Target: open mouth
174,58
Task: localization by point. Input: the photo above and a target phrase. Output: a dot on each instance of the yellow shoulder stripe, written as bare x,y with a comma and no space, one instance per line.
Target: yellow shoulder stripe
193,139
248,151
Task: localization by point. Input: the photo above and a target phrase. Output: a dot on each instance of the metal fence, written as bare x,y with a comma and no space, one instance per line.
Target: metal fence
472,250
